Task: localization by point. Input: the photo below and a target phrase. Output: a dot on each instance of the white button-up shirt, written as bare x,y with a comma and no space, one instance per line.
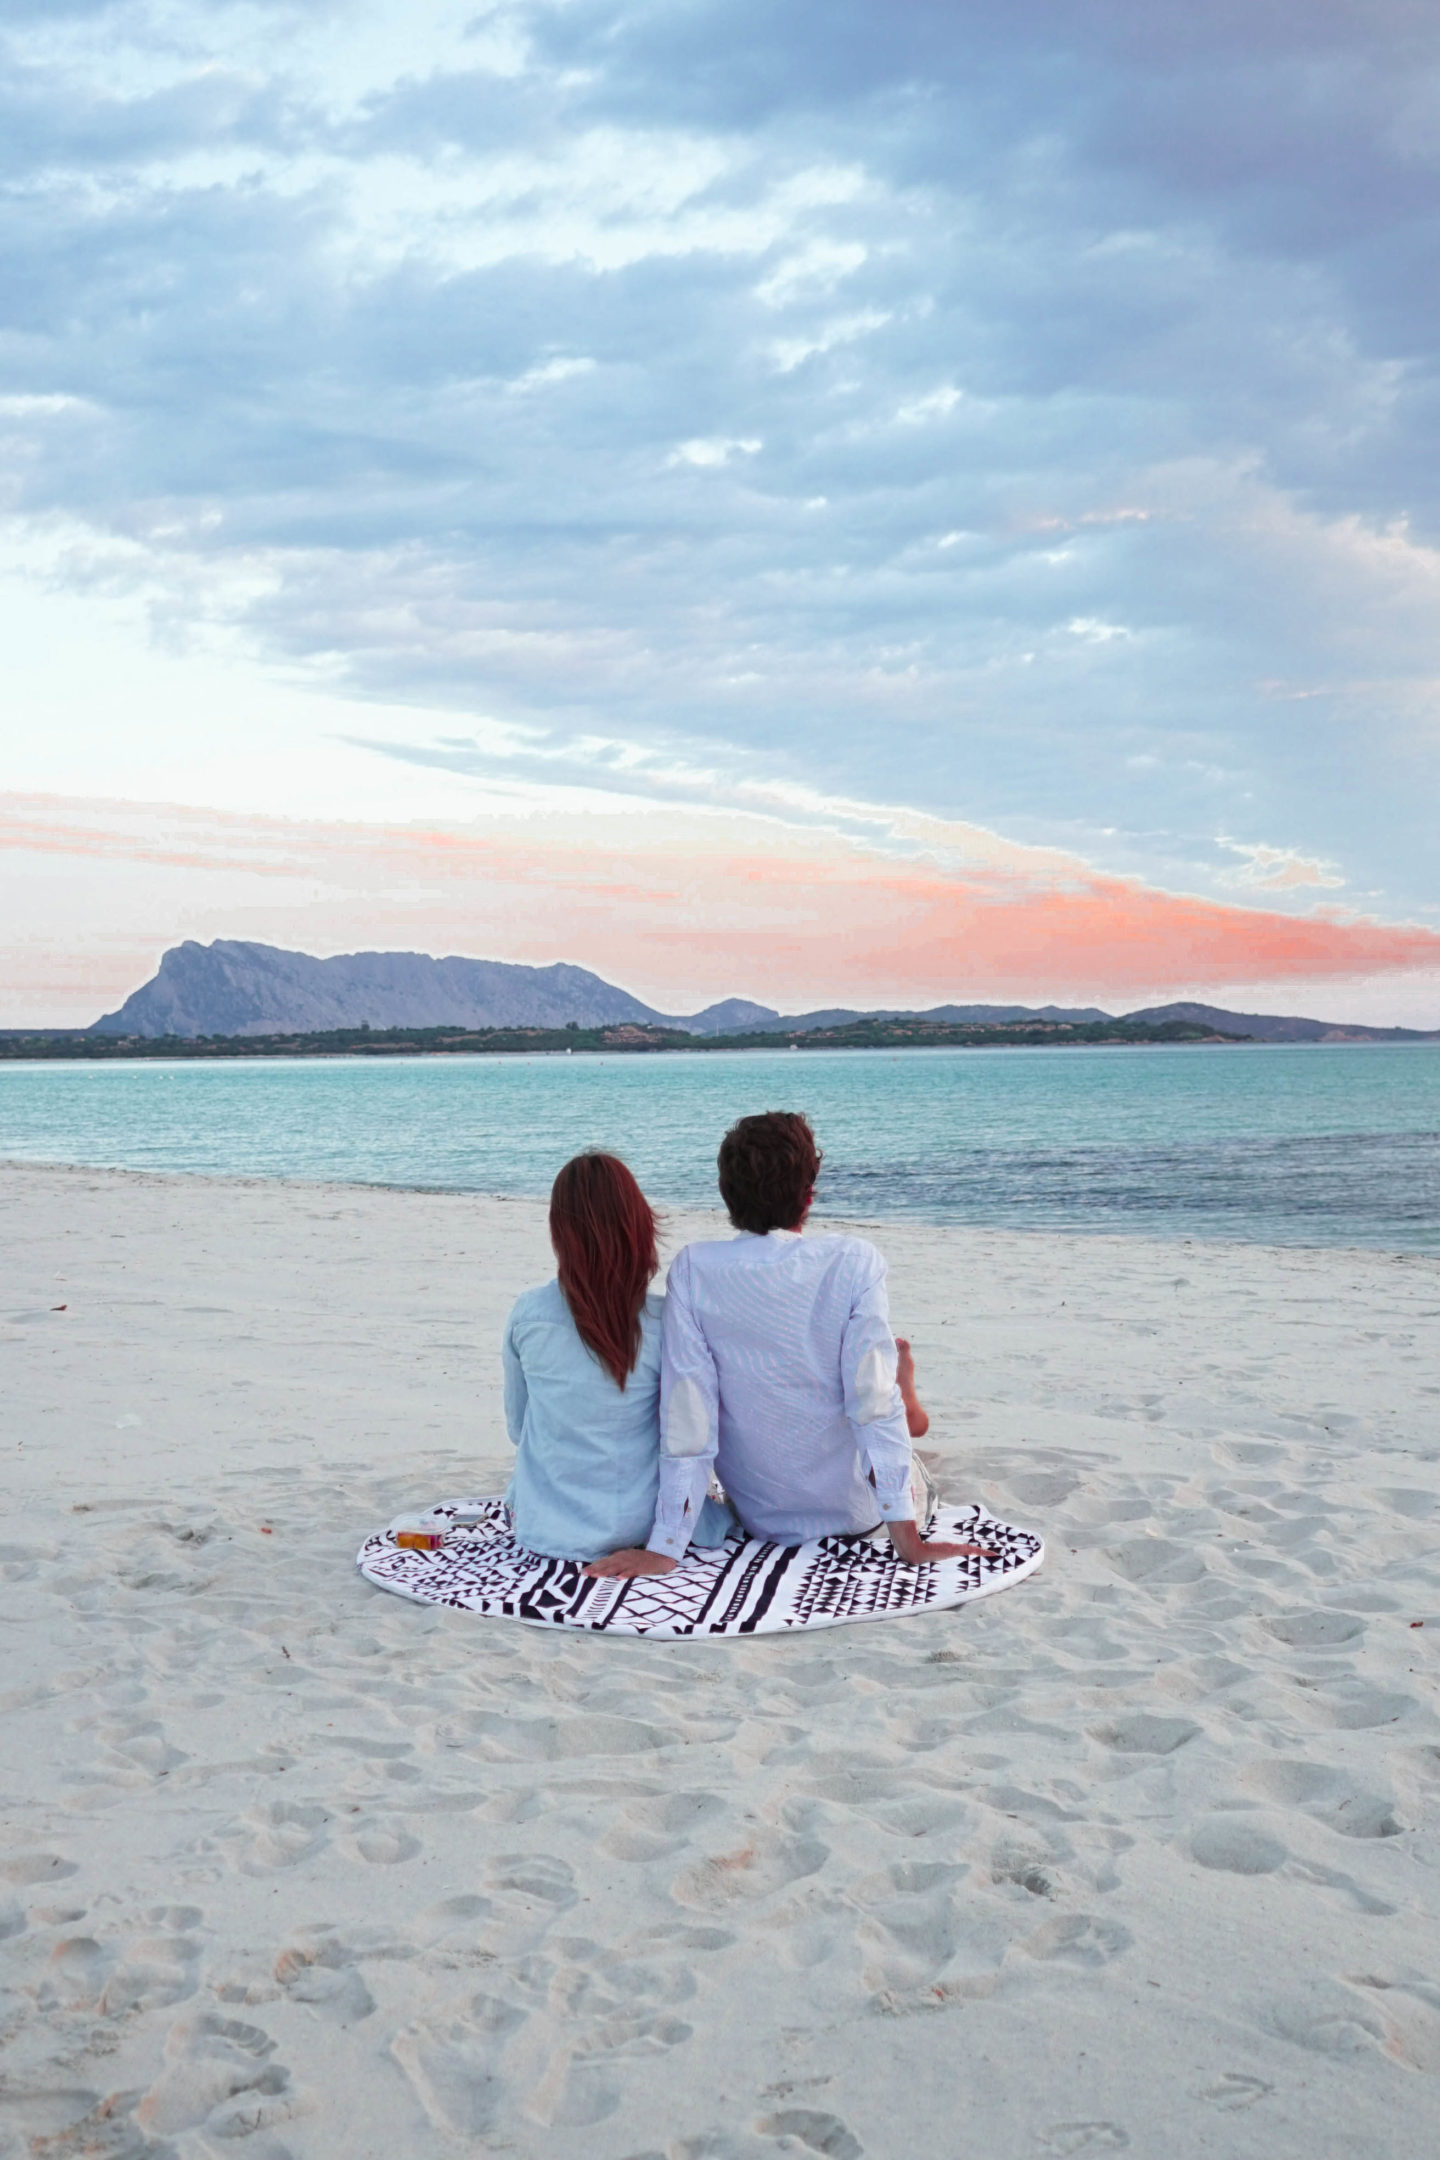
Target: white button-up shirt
778,1368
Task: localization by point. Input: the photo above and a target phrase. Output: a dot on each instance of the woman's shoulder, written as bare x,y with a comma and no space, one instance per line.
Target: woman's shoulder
545,1302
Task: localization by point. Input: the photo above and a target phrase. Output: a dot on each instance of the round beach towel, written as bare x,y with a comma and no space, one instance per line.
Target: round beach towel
743,1587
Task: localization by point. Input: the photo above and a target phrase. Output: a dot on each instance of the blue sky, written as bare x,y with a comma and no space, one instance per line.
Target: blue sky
779,424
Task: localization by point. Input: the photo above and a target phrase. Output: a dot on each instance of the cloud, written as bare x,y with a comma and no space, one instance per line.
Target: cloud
1276,869
1026,414
716,450
679,909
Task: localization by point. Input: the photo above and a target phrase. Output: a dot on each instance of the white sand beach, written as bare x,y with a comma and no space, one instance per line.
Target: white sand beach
1140,1856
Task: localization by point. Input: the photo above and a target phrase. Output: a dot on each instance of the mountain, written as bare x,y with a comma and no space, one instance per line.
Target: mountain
1272,1027
955,1015
233,988
732,1016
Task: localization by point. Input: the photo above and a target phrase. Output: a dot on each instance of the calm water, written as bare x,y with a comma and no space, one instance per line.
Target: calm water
1285,1144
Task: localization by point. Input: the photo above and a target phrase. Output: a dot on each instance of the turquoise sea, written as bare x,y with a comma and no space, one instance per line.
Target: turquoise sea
1309,1145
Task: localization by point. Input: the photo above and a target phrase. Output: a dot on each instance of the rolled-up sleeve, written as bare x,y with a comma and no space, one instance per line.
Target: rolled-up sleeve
689,1417
517,1395
872,1397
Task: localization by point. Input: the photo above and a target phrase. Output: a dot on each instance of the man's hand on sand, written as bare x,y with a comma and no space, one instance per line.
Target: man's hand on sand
915,1551
634,1560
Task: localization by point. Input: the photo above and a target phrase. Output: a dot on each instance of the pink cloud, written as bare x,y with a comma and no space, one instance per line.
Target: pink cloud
680,908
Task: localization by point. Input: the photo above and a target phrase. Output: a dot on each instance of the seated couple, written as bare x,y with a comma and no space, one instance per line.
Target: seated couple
770,1363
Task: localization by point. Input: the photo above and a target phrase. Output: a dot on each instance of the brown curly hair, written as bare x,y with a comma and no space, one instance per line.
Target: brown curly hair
768,1167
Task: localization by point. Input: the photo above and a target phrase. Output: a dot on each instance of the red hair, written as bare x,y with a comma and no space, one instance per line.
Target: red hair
603,1230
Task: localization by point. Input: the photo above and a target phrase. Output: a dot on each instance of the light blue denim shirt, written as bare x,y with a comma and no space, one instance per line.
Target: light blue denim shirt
587,1461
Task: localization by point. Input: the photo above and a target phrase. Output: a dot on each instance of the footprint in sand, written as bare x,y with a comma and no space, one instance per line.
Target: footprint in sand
1065,2138
1293,1784
1358,1707
815,2131
649,1829
1362,1815
525,1894
574,2092
158,1969
1043,1488
380,1844
1408,1500
279,1834
535,1878
454,2070
764,1864
137,1752
219,2074
1327,2020
1234,2090
25,1868
320,1972
1143,1733
1367,2014
911,1878
1156,1560
1409,2013
1077,1939
1315,1630
1028,1866
75,1975
497,1737
1236,1846
1327,1795
1335,1879
75,2124
452,1920
581,2078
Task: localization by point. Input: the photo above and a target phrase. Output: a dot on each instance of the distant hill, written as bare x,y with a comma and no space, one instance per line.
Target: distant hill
1272,1027
231,988
240,989
732,1016
957,1015
234,988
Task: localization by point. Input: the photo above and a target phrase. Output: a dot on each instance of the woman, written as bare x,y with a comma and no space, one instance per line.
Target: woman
582,1372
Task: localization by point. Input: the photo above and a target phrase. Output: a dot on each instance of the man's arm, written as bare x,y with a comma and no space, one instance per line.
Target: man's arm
689,1435
868,1363
869,1360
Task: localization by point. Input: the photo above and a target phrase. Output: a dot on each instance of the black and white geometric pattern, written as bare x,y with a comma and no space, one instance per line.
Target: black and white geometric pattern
744,1587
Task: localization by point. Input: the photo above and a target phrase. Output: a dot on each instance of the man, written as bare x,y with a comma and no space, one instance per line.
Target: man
780,1371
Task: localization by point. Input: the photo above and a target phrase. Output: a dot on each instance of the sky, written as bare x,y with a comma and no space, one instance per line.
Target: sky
816,500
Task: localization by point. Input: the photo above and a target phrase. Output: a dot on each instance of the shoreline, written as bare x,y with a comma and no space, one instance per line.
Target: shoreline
167,1051
877,1226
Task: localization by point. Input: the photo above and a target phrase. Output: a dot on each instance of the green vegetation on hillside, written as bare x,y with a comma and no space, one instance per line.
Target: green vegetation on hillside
450,1042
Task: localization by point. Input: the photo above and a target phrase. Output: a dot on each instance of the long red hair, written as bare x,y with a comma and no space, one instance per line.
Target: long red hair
603,1230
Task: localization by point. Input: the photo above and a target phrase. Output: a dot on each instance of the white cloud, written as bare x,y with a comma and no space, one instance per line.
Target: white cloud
791,353
361,350
935,405
716,450
1275,869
